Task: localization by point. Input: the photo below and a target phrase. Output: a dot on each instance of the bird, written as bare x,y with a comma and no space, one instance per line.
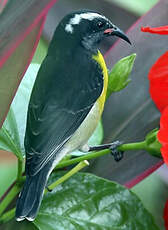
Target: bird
66,101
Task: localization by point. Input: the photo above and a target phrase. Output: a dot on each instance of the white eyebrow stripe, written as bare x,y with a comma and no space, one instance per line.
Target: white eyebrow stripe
78,17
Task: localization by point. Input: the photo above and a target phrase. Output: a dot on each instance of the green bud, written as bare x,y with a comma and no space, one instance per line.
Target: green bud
118,76
152,144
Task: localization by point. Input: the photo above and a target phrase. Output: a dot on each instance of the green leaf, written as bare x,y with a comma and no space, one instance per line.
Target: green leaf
13,129
118,76
8,173
136,7
9,136
95,203
18,115
21,100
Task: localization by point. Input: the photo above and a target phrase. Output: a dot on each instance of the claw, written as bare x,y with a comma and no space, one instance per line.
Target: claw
48,189
118,155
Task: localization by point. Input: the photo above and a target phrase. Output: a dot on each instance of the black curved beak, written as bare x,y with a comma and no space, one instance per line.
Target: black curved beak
114,30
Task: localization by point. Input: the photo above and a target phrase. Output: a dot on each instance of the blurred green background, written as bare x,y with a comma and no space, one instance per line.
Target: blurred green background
136,7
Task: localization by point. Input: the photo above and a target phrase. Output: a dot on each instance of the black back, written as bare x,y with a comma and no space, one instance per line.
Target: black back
67,86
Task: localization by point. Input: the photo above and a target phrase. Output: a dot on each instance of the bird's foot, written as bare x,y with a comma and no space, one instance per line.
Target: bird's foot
118,155
48,189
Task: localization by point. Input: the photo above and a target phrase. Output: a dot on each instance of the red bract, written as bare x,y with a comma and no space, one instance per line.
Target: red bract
158,77
163,30
165,215
163,134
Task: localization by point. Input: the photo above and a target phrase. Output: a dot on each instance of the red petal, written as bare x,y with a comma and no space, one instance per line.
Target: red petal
165,215
163,134
163,30
163,125
164,151
158,77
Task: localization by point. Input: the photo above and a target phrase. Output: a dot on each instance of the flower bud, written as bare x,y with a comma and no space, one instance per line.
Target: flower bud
152,144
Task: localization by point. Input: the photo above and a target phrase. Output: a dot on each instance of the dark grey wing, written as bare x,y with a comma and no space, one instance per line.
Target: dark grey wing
60,101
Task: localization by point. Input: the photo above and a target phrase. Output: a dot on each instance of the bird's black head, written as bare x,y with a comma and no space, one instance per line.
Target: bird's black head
89,28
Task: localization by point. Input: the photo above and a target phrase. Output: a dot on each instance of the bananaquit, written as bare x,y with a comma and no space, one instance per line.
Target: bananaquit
66,102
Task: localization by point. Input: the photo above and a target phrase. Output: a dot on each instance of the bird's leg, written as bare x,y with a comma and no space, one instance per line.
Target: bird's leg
118,155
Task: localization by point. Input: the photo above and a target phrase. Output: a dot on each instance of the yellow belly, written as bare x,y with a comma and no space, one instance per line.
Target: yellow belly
100,60
86,129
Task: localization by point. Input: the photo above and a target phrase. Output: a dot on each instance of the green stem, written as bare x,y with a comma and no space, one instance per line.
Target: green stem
9,197
82,158
7,215
77,168
20,169
133,146
14,190
89,156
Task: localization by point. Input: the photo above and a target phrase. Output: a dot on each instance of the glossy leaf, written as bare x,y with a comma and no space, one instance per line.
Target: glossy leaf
96,204
13,129
21,100
9,136
118,76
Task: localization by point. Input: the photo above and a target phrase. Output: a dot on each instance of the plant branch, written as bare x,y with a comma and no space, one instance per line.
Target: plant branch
7,191
9,197
7,215
20,169
89,156
77,168
13,189
133,146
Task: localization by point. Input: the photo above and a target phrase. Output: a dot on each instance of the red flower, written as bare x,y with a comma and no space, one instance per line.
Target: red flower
165,215
163,134
163,30
158,77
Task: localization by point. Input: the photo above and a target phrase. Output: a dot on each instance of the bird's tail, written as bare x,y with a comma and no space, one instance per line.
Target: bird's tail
30,198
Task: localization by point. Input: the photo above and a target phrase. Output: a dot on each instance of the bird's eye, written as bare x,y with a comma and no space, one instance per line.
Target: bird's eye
100,24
